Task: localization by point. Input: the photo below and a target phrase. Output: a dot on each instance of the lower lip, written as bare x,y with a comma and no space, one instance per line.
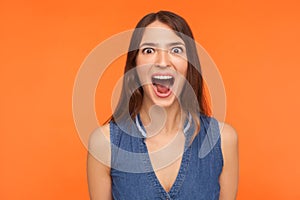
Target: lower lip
161,95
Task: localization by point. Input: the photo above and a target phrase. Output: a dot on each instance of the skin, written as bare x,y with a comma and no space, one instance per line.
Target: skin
159,53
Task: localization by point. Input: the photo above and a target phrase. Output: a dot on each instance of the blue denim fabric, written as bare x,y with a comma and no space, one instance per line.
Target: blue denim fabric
198,177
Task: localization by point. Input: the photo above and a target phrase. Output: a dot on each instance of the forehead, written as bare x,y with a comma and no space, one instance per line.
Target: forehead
158,32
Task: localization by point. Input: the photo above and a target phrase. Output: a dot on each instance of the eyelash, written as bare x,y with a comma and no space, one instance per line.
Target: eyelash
180,49
148,48
144,51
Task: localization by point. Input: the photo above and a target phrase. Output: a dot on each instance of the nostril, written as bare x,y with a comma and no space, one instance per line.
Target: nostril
161,66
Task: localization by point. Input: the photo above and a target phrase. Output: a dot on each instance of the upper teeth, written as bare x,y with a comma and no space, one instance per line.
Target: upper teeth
162,77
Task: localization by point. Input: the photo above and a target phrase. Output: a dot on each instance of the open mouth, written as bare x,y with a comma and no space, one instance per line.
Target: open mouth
162,84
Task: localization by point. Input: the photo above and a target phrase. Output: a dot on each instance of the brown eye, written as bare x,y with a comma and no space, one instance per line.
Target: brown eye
148,50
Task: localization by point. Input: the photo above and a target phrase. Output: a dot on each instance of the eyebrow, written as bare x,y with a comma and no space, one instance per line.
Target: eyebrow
157,44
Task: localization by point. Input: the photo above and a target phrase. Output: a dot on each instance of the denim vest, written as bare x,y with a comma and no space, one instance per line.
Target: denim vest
132,174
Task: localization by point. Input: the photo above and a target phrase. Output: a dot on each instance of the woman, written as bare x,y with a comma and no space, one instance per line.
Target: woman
162,142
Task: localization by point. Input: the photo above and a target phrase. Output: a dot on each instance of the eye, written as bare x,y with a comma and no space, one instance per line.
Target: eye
148,50
176,50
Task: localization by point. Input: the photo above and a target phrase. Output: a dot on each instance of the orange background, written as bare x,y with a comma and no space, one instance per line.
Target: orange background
255,46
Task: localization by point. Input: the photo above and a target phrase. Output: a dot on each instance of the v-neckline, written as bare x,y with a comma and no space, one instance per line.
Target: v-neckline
180,174
185,160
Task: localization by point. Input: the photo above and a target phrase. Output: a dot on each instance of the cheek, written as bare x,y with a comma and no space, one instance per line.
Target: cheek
142,75
138,60
182,67
144,60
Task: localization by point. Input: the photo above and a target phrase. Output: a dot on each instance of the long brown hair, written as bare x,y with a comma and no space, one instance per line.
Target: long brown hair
132,95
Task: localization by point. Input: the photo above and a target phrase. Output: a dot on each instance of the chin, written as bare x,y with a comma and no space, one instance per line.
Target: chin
166,103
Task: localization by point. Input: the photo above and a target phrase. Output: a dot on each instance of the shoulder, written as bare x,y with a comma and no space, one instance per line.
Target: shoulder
99,143
229,145
229,136
98,164
230,173
99,134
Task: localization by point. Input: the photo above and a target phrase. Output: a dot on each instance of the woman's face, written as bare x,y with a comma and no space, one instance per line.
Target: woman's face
161,64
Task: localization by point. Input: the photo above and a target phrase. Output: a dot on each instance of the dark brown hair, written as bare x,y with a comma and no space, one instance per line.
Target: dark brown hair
132,98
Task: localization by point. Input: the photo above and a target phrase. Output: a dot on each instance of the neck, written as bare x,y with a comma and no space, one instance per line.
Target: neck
166,120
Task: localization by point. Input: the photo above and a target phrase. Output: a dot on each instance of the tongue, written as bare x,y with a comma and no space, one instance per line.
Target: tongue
161,88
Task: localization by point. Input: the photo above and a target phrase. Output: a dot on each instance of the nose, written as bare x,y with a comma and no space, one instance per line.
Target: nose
163,58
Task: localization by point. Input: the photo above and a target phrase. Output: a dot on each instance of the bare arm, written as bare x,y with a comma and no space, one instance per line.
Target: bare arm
98,165
230,174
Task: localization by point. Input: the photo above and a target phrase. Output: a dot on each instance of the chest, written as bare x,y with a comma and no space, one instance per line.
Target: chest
186,177
167,175
166,158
